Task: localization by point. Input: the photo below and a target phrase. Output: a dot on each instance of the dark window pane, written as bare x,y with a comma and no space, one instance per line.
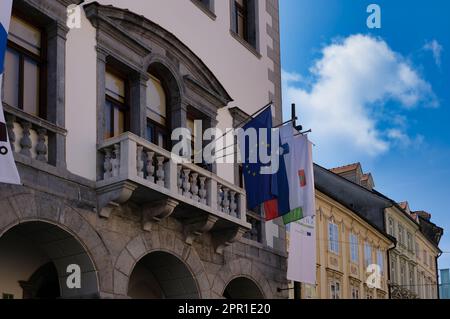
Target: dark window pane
108,119
11,78
31,87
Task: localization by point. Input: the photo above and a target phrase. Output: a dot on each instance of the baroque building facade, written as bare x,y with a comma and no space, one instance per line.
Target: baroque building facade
412,262
351,249
89,114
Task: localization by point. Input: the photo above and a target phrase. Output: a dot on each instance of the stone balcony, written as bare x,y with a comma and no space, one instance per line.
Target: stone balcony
133,170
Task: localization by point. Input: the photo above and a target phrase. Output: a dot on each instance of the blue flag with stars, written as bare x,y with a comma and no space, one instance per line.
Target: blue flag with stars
257,185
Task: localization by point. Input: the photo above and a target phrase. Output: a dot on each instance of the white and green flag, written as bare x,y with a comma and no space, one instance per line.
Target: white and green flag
299,167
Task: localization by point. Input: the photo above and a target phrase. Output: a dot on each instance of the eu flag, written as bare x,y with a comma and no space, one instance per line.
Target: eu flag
257,185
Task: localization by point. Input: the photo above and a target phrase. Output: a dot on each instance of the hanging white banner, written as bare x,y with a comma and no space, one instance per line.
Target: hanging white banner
302,251
8,169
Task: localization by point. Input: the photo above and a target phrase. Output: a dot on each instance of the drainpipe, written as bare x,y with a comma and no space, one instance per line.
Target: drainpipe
389,266
437,274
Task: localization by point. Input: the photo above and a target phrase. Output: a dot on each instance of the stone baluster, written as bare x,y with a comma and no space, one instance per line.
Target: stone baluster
140,161
25,141
160,170
233,204
202,191
194,187
41,147
10,126
179,179
107,164
226,201
219,198
186,184
116,161
150,168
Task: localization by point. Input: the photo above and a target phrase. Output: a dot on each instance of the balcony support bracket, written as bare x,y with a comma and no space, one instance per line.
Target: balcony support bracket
226,237
112,196
196,227
157,211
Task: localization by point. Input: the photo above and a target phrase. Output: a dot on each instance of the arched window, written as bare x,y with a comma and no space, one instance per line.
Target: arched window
157,122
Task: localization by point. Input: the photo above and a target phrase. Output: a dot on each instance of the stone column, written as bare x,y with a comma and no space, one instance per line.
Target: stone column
56,72
138,104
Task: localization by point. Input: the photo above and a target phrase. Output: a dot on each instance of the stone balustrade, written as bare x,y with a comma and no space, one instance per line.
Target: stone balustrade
132,158
32,136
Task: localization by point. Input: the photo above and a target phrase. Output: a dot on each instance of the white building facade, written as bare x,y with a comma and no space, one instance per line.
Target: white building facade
90,110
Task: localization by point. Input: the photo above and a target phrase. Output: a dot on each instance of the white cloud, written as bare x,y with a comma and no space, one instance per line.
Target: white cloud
346,101
436,48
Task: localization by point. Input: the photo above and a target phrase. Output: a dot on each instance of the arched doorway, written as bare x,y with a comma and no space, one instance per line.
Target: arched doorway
161,275
242,288
34,257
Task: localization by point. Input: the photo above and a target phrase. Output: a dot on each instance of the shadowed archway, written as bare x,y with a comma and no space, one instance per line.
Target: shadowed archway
34,257
242,288
161,275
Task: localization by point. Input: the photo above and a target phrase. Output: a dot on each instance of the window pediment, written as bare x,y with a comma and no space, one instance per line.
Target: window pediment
137,39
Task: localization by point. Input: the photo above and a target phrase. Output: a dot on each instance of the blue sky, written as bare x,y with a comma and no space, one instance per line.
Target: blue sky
376,96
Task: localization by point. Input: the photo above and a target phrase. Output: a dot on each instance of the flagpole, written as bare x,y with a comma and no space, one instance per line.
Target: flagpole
227,147
244,121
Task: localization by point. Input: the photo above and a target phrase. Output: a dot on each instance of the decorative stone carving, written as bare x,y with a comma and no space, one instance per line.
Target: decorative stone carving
150,168
226,237
116,161
140,161
110,196
186,184
25,141
179,179
202,192
194,186
233,204
193,229
41,147
107,164
226,201
156,211
160,170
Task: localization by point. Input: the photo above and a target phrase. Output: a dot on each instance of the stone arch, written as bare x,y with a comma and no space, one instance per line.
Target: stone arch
240,268
167,70
24,207
158,241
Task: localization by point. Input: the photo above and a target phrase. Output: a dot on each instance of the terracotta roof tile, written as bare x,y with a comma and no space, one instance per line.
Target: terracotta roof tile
346,168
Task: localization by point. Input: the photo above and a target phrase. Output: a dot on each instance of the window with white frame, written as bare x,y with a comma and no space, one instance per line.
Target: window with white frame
354,248
417,251
393,269
401,238
333,237
425,257
335,290
411,278
380,260
409,241
391,226
402,273
367,254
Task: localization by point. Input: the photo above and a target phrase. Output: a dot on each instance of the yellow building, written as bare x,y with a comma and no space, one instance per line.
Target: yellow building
346,246
351,249
413,261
